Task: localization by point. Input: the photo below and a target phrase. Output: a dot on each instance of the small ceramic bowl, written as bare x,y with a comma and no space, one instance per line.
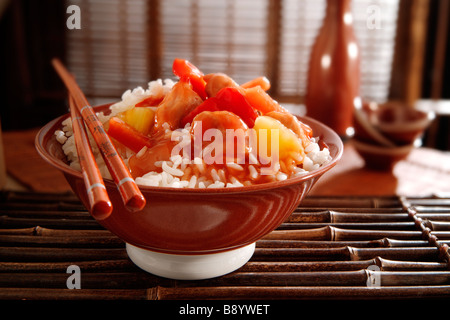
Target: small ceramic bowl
365,130
195,233
386,133
402,124
380,157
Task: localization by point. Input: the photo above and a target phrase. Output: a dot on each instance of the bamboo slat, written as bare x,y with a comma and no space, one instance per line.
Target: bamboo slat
329,248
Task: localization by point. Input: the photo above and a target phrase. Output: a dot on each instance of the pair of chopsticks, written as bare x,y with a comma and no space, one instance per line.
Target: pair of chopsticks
82,113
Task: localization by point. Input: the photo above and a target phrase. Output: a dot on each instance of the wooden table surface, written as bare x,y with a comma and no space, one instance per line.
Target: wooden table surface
353,234
425,171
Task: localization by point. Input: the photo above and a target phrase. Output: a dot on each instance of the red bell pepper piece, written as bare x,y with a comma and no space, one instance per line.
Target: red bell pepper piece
227,99
233,100
207,105
127,135
190,73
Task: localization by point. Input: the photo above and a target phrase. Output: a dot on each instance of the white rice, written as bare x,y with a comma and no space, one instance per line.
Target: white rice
175,172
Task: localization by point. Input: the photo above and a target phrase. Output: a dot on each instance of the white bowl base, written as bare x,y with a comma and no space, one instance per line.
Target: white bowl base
190,267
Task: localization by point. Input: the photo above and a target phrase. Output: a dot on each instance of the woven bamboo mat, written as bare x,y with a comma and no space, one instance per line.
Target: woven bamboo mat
330,248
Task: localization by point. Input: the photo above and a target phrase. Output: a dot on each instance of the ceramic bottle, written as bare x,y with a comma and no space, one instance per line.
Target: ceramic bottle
334,70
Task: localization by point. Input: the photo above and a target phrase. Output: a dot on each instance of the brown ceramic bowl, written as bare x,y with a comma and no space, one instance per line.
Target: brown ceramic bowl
386,133
196,221
364,128
400,123
380,157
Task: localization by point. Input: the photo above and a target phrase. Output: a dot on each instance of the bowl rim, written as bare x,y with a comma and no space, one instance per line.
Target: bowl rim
49,128
367,147
405,127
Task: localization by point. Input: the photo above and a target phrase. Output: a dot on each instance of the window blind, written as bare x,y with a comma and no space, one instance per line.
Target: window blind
302,20
219,36
109,53
377,45
126,43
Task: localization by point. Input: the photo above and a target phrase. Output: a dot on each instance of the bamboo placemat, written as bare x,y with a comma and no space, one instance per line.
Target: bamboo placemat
330,248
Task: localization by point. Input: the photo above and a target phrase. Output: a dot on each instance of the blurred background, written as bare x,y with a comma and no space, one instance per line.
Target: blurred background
126,43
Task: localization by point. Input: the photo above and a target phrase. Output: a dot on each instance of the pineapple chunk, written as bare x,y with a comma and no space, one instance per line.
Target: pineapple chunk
141,119
288,142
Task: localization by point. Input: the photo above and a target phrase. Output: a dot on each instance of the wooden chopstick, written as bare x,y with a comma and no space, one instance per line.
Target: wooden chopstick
100,204
129,191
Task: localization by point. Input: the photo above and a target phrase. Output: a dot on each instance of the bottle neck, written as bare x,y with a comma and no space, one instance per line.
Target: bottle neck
339,11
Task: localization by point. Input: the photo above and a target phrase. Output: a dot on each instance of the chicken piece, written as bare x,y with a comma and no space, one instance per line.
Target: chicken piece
301,130
263,82
223,125
217,81
178,102
220,120
144,162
